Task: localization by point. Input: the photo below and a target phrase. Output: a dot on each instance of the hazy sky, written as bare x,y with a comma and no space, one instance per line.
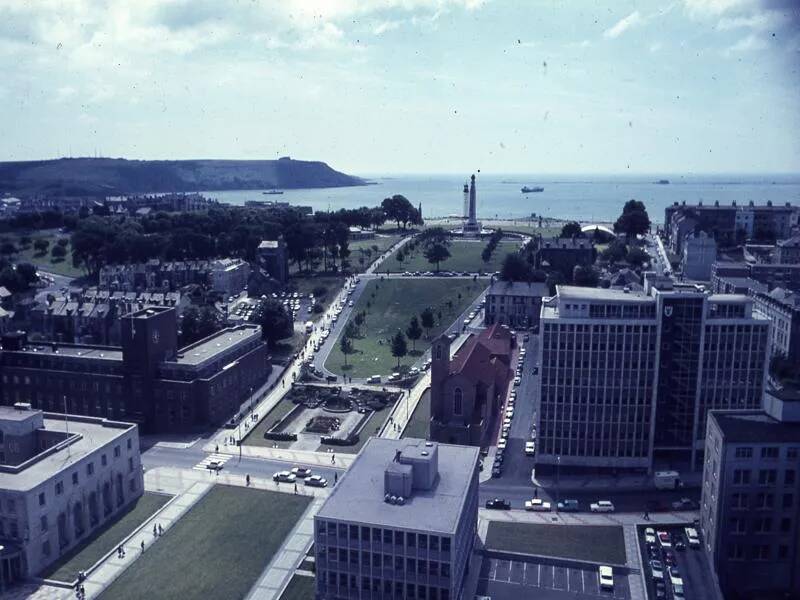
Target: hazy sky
379,86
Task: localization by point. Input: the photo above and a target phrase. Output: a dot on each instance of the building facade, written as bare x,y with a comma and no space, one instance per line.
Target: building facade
787,251
60,482
563,254
516,304
148,380
782,308
750,508
273,257
629,376
227,276
699,254
401,523
468,389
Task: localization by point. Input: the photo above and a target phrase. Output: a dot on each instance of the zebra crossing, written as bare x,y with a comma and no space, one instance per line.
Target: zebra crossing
220,459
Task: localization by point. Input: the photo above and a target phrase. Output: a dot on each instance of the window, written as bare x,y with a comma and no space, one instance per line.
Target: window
762,525
41,499
117,452
792,452
90,469
788,500
741,477
737,525
75,478
103,460
769,452
46,548
43,522
786,524
130,464
59,488
130,444
132,484
736,552
767,476
458,401
760,552
789,477
744,452
783,552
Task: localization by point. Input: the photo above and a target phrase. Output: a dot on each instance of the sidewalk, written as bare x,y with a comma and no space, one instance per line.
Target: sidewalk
557,518
609,482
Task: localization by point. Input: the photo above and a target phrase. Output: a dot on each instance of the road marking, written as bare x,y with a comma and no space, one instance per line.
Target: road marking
524,572
538,575
568,579
203,464
583,582
554,577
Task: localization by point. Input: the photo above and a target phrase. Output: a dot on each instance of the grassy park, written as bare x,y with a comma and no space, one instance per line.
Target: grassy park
389,306
105,539
216,550
256,435
464,256
593,543
26,253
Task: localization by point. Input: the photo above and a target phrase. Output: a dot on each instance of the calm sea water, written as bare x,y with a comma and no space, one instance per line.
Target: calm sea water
586,199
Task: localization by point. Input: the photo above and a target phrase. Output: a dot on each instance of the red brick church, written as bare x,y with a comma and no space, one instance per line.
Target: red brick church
468,390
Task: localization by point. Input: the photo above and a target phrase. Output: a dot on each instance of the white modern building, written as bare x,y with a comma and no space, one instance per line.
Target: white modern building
61,479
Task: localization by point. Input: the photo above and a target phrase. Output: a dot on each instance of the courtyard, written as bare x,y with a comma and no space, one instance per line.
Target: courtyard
388,306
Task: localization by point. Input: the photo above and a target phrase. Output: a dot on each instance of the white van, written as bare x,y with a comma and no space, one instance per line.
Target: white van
666,480
692,537
309,326
374,379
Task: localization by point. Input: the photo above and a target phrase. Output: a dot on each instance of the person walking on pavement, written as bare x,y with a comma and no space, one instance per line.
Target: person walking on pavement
295,488
333,458
247,480
160,530
335,478
142,546
155,530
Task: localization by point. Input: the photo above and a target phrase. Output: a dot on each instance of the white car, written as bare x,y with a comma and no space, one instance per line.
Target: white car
507,421
675,577
530,448
284,477
501,445
537,505
606,576
316,481
517,380
650,535
601,506
509,413
657,569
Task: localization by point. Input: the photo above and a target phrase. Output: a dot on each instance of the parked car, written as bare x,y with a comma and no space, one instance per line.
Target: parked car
684,504
374,379
517,380
316,481
301,472
664,540
530,448
498,504
650,535
284,477
606,577
669,558
657,569
692,537
601,506
501,444
569,506
537,505
497,471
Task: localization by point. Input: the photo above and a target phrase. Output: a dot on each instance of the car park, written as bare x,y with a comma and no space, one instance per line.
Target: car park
498,504
537,505
601,506
284,477
606,577
316,481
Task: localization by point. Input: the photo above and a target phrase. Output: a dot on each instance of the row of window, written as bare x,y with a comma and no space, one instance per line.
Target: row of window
344,531
765,477
346,581
398,564
767,452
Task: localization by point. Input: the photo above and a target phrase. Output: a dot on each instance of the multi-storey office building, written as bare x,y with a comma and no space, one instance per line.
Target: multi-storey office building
400,524
514,303
148,380
626,375
750,508
60,482
782,307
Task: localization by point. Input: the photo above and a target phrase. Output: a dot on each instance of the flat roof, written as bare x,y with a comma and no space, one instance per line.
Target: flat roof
754,426
9,413
358,497
221,341
94,434
573,292
518,288
729,298
76,351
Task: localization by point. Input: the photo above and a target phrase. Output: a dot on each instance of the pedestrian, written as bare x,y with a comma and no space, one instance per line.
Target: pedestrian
335,478
295,488
646,515
247,479
333,459
216,448
155,530
142,546
160,530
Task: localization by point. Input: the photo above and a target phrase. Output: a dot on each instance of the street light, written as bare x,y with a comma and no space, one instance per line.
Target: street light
558,469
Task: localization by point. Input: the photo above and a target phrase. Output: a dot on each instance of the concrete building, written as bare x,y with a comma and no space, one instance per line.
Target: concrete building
627,377
782,307
468,389
272,256
148,380
787,251
699,254
60,482
750,508
229,276
401,523
516,304
770,274
563,254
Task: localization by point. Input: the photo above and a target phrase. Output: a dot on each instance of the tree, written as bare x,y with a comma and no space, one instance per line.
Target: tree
400,210
637,257
436,253
486,255
276,324
63,242
634,219
428,320
346,346
41,245
571,229
58,252
359,319
399,346
197,324
350,330
414,332
615,252
515,268
8,247
585,276
27,274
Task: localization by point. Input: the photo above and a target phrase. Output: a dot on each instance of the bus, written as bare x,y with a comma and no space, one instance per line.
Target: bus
666,480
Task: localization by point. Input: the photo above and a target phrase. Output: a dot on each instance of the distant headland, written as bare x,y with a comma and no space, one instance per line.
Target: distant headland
117,176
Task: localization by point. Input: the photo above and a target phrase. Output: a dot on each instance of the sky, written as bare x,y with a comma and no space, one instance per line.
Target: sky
408,86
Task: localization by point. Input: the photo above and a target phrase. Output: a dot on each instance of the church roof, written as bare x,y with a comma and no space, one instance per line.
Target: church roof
478,359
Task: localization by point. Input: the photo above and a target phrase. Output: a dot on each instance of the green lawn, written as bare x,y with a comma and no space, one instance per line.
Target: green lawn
419,424
256,435
45,262
392,303
593,543
464,256
301,587
105,539
216,550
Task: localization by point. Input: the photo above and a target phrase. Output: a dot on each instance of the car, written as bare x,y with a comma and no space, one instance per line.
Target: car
657,569
537,505
497,471
517,381
683,504
569,506
664,540
301,472
606,577
509,413
530,448
214,465
351,304
284,477
677,591
504,433
680,546
501,444
316,481
374,379
675,576
601,506
498,504
692,537
650,535
507,421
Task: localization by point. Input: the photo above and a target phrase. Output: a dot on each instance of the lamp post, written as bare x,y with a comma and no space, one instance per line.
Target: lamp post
558,469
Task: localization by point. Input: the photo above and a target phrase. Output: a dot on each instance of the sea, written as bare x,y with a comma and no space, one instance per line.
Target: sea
587,199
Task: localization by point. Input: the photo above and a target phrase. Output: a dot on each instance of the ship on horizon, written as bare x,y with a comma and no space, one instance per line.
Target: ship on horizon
528,190
272,192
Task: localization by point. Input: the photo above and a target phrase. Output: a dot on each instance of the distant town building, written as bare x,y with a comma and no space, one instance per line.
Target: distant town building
750,508
782,308
357,233
178,202
699,255
770,274
467,390
626,376
787,251
60,484
563,254
226,276
148,380
516,304
273,257
229,275
401,523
